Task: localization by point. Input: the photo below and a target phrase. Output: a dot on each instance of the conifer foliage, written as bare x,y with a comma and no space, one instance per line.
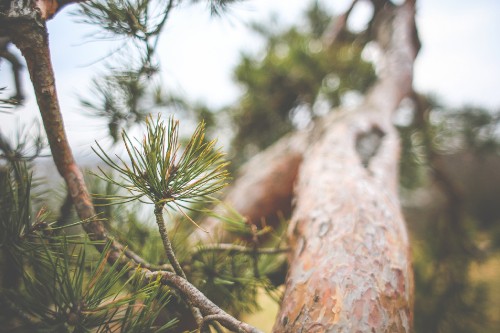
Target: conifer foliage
58,278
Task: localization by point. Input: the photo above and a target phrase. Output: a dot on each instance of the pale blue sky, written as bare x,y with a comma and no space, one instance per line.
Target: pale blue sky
459,61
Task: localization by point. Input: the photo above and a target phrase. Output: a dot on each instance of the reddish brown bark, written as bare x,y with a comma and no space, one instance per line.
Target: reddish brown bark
28,32
32,40
350,267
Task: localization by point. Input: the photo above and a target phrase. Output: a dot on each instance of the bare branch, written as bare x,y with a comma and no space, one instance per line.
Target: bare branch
169,251
210,318
198,299
238,249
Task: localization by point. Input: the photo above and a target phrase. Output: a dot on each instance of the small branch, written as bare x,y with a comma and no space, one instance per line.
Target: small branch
32,39
167,245
210,318
198,299
160,26
138,260
238,249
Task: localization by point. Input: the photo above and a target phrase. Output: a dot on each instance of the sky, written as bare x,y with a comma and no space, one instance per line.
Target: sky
459,60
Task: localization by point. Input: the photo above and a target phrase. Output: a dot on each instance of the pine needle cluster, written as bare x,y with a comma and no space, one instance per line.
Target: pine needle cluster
53,281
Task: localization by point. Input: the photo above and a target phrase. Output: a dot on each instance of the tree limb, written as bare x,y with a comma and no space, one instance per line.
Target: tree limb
236,249
31,37
198,299
263,189
337,25
350,267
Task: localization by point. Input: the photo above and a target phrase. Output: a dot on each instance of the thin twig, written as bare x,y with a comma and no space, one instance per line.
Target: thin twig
169,251
198,299
167,245
208,319
238,249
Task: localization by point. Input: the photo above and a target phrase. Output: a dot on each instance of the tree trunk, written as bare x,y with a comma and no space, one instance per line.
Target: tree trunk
350,266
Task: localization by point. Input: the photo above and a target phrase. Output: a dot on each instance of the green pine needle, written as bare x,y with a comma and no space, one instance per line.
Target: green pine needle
163,173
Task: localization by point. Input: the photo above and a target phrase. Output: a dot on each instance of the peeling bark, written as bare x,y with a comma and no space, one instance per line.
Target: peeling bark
350,266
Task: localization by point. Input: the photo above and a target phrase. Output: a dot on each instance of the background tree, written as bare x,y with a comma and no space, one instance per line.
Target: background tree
345,228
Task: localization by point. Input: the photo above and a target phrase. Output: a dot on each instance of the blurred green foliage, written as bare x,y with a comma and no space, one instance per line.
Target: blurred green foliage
295,79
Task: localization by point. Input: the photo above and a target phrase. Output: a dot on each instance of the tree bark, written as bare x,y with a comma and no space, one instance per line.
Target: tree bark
350,266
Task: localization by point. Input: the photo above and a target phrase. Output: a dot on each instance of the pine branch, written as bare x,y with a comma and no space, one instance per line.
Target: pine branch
233,249
198,299
32,39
